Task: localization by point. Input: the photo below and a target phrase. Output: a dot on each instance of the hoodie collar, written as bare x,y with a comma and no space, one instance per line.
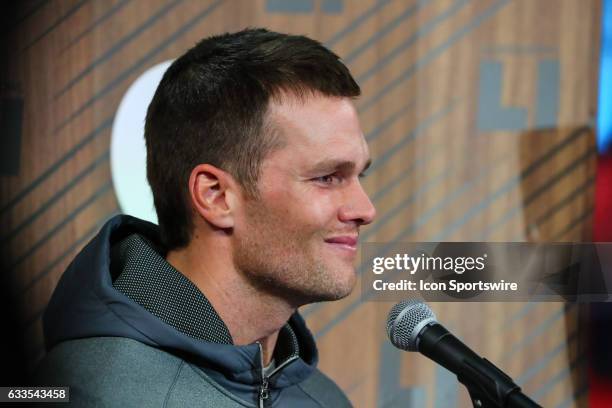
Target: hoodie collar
142,274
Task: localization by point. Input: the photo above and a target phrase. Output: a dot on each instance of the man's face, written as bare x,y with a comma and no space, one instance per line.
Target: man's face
298,238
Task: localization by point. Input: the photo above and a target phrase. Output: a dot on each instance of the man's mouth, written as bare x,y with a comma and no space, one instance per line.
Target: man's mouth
348,242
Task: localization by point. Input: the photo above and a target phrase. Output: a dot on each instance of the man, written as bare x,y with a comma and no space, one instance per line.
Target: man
254,153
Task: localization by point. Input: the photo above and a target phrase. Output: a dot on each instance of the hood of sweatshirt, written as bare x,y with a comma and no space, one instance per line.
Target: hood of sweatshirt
120,285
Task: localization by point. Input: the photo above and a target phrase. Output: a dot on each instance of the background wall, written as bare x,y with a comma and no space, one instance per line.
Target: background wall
478,114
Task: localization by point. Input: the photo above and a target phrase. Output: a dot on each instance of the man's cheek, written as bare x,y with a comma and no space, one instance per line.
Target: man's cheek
319,212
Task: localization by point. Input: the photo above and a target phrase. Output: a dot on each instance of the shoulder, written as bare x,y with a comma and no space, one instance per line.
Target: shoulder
97,355
110,370
323,389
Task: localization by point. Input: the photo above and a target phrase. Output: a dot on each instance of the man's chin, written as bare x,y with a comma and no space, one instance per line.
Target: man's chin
341,288
328,293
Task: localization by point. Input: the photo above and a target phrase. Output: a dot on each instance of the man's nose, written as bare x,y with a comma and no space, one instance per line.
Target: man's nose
357,207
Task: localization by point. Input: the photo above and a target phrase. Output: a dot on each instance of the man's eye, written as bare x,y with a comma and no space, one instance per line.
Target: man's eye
363,175
327,179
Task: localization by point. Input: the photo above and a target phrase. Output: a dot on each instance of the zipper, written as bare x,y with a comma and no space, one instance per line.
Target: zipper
264,391
264,388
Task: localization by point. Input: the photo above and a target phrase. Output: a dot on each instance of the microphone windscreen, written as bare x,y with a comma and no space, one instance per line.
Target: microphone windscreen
405,321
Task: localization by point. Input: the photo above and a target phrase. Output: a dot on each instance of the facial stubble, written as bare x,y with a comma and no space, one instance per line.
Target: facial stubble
279,259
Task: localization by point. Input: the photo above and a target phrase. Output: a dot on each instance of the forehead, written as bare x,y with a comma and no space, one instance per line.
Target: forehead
319,126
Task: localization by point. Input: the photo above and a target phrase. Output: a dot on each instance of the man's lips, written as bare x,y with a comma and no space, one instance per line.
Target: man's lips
347,241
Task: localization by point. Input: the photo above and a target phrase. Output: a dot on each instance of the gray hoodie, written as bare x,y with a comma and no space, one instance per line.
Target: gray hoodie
124,328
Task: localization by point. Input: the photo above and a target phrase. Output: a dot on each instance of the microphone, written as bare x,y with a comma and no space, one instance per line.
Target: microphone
412,326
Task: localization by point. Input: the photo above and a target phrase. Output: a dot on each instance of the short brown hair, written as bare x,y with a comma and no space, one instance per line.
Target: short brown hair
210,107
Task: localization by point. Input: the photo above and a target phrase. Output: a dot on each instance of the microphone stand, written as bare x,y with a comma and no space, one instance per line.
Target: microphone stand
492,387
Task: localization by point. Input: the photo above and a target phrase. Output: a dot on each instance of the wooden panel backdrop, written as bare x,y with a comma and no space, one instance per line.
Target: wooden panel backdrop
477,113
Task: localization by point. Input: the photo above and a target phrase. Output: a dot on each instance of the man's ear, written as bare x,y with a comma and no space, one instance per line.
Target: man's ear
211,191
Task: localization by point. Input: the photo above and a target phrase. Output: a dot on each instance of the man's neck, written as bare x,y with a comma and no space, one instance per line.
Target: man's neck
250,316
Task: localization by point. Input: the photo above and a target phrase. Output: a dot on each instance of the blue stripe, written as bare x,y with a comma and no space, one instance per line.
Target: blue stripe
557,315
53,26
96,23
410,11
441,204
381,127
399,178
397,209
55,197
527,309
89,234
118,46
588,213
356,23
541,328
91,199
560,376
567,170
507,187
541,363
434,53
518,49
577,192
604,113
411,136
55,166
518,316
135,67
421,32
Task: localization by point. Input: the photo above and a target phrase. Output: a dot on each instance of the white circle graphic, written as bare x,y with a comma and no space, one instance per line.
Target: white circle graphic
128,153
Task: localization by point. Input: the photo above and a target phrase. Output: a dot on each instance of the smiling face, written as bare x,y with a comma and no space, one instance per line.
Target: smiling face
298,238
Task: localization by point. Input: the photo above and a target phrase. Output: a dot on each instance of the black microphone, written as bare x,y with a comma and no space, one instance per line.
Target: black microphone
412,326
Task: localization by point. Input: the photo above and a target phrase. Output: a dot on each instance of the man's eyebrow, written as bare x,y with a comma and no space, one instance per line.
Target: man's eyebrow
338,165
